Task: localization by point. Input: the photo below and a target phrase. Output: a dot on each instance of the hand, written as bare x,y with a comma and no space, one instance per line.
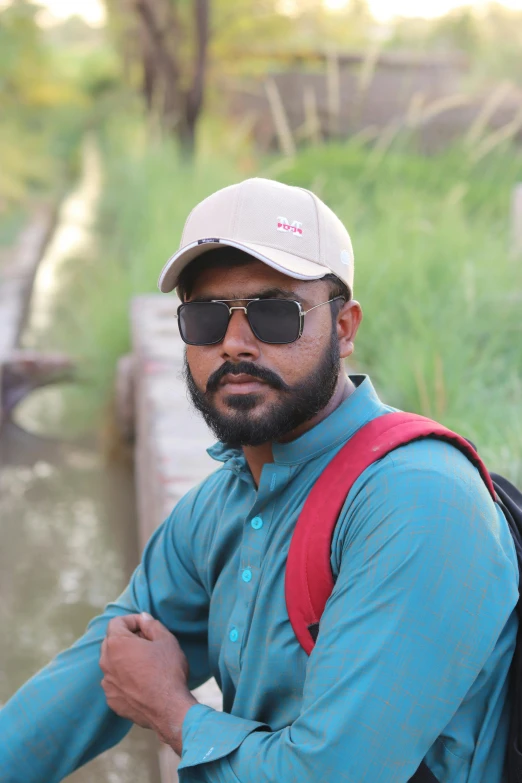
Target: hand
146,676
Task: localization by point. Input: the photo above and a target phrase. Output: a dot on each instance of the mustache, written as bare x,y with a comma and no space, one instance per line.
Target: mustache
246,368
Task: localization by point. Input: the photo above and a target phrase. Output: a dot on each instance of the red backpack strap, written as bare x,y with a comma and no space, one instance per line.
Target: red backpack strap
308,579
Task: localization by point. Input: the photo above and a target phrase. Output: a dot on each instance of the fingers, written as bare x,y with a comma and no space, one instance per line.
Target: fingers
114,648
103,657
137,624
114,698
123,626
131,626
122,631
150,628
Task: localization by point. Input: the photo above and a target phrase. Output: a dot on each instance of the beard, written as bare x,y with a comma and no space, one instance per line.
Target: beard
297,404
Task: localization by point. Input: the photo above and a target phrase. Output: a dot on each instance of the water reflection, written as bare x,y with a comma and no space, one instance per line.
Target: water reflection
61,558
67,514
68,545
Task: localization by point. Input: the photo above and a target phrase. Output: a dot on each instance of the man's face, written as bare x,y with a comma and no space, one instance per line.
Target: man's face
278,387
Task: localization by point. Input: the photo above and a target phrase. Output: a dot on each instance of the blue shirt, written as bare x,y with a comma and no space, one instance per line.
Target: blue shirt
411,662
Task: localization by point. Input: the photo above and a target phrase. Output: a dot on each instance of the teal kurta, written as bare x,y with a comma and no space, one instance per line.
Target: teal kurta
414,649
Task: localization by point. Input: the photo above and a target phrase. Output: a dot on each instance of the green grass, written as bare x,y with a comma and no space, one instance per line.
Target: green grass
147,198
147,193
442,295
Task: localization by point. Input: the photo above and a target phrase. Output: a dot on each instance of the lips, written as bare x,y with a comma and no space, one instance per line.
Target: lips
241,384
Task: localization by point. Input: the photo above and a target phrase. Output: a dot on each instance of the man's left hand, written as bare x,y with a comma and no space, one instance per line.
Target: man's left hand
146,676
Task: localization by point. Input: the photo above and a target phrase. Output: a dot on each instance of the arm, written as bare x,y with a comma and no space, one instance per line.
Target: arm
427,582
59,719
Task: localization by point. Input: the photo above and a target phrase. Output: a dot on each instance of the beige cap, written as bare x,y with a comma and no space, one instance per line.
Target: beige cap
286,227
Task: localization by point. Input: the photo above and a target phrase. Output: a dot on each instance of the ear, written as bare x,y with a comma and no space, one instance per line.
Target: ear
348,321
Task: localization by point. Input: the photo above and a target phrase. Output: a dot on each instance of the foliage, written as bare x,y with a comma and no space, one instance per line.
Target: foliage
491,37
167,42
165,60
147,192
247,30
440,290
44,109
142,229
164,45
439,287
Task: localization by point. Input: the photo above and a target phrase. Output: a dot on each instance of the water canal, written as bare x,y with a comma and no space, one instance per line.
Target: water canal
69,538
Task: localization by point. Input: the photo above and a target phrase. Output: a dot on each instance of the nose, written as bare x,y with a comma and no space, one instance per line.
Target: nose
239,342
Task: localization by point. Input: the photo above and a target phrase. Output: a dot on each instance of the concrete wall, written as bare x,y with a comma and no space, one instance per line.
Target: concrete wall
350,95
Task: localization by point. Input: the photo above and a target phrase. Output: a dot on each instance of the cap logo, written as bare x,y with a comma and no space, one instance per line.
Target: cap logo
283,224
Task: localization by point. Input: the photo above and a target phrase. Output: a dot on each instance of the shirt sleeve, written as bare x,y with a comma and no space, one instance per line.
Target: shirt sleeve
59,719
426,584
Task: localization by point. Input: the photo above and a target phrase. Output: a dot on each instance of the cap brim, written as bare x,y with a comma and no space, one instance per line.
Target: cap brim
286,263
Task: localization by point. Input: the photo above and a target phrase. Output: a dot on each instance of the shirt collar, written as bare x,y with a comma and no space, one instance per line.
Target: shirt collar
360,407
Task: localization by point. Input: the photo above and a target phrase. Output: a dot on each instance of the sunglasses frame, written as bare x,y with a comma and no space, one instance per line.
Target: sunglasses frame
224,302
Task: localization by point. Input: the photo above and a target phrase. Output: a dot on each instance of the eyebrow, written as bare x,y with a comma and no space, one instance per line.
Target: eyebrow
264,293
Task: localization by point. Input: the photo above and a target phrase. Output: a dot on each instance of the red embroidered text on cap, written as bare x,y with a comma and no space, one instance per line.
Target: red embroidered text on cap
283,224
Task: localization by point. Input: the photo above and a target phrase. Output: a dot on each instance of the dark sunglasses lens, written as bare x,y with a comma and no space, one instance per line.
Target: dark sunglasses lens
202,323
274,320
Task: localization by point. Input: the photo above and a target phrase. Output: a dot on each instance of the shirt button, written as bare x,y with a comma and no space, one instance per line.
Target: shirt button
257,523
246,576
233,635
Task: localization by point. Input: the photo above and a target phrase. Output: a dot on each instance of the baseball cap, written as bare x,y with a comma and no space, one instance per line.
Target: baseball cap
287,227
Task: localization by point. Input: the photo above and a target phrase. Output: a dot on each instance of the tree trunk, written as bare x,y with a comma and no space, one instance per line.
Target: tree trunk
181,109
149,68
195,95
166,66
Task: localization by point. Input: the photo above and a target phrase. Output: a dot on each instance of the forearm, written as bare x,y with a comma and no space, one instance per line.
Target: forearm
211,739
170,728
59,719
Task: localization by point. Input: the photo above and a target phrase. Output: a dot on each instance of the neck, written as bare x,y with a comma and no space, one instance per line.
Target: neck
257,456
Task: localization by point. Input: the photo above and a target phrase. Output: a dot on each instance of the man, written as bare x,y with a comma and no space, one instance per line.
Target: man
413,654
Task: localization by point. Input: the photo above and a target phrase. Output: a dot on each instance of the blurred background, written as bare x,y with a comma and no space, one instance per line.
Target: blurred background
116,118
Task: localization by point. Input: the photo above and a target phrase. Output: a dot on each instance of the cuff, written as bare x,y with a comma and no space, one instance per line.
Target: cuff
209,735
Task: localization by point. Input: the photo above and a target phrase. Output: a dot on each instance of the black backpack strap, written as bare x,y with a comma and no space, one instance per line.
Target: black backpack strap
423,775
509,499
508,491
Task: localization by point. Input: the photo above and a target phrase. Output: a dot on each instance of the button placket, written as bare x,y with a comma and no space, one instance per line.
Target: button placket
258,524
238,627
255,531
261,514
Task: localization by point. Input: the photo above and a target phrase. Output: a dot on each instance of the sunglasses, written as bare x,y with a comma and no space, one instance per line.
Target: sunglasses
277,321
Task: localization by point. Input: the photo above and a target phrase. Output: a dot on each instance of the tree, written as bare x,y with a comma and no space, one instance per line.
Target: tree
169,41
458,30
33,96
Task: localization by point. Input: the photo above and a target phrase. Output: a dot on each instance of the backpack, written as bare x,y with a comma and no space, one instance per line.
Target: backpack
309,580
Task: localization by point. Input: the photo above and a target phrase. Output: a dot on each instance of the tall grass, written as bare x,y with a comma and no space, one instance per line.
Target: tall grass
442,294
147,193
441,291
